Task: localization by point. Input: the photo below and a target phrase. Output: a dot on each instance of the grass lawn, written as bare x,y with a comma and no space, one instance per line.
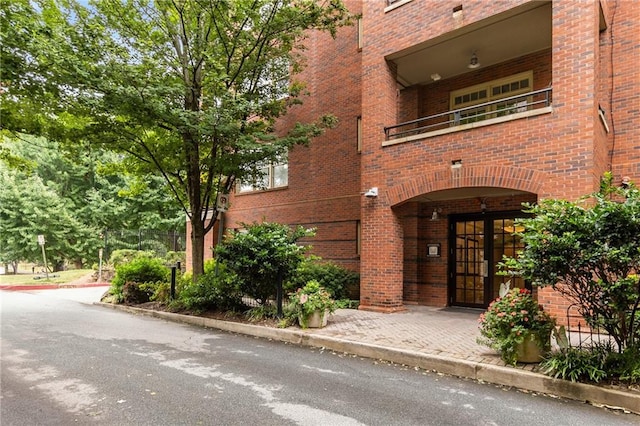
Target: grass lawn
61,277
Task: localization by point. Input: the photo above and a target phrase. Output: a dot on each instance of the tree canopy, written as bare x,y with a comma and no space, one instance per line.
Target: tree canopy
189,90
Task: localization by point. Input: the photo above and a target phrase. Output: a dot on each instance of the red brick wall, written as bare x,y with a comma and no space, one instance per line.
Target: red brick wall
623,76
324,178
560,146
561,154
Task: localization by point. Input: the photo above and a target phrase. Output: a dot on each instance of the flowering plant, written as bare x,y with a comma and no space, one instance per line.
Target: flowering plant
309,299
512,318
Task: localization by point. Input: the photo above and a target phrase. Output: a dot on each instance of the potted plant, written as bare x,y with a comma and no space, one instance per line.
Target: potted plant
312,304
517,327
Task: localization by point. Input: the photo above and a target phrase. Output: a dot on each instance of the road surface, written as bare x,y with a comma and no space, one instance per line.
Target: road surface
64,362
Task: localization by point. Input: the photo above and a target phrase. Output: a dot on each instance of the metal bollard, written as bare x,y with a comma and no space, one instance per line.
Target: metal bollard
172,293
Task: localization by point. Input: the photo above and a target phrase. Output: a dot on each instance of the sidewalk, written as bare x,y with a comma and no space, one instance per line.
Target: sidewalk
435,339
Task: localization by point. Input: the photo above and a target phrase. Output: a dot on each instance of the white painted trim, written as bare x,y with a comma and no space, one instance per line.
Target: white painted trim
396,5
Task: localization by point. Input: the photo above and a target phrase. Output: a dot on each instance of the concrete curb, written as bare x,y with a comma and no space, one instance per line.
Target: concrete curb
500,375
10,287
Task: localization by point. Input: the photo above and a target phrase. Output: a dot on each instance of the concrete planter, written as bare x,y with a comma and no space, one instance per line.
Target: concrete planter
528,351
317,319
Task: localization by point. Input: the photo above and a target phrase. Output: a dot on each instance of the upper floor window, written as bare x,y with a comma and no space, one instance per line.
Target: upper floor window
272,176
489,92
392,4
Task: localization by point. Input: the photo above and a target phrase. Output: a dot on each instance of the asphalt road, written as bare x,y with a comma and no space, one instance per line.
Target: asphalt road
65,362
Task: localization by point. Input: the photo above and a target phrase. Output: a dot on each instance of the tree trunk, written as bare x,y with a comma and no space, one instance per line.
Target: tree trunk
58,266
197,246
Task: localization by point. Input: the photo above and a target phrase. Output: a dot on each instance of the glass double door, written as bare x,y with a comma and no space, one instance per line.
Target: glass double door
478,245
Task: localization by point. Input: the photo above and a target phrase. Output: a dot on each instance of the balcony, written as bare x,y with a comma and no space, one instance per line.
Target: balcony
473,73
478,115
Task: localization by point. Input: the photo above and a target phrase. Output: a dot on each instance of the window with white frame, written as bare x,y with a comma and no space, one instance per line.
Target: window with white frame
491,91
272,176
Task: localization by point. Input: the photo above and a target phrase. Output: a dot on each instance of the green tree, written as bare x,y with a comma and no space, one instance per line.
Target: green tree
28,209
590,252
189,90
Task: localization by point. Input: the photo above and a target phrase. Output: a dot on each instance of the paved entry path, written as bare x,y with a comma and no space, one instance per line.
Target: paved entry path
447,332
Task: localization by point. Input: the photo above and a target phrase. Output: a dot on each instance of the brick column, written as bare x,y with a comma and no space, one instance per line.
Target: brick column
381,267
381,262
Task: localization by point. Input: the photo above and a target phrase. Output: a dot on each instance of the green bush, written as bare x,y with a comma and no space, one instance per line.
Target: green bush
588,251
261,256
211,291
340,282
120,257
141,270
625,365
173,257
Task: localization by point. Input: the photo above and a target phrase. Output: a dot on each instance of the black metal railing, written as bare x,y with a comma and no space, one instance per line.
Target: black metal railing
159,242
579,334
479,112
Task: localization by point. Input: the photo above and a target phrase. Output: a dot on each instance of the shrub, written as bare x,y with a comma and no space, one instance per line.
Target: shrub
210,291
141,270
261,256
342,283
120,257
624,366
173,257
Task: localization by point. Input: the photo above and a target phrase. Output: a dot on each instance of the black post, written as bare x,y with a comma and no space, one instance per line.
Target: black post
172,293
279,295
220,231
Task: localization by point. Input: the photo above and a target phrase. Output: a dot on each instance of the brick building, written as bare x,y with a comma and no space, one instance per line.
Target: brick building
456,112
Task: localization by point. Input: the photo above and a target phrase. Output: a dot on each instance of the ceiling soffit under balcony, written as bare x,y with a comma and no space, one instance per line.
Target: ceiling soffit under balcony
467,192
512,34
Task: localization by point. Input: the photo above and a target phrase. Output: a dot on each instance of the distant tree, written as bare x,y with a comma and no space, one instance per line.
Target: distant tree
590,252
189,90
28,209
52,184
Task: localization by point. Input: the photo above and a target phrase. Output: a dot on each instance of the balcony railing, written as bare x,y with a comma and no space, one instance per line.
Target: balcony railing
504,107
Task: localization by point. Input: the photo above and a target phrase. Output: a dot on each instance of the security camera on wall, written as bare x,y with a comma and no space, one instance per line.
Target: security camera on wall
372,193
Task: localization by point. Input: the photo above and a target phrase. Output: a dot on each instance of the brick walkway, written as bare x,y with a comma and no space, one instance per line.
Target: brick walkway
448,332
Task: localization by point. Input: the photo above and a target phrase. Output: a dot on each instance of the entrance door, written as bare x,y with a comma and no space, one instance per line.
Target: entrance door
478,244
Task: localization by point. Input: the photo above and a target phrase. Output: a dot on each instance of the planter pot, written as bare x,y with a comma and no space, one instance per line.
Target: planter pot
317,319
528,351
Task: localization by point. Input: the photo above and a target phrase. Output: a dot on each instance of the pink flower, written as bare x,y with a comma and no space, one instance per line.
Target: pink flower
513,314
501,314
303,298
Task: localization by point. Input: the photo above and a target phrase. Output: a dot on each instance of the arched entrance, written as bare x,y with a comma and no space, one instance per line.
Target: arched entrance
456,232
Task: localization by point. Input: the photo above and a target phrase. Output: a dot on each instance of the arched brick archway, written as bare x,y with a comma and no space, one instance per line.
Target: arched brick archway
525,180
